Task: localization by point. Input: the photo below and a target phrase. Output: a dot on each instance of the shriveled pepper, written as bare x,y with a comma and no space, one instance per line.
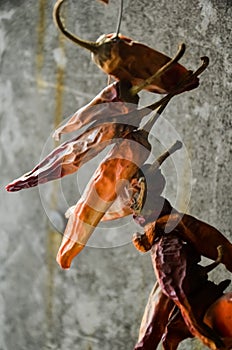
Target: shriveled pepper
108,180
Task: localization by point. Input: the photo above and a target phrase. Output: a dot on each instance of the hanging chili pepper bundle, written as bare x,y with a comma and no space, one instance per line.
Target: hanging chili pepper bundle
68,157
184,303
111,173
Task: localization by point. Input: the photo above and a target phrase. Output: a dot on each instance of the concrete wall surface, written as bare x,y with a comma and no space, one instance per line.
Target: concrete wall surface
99,302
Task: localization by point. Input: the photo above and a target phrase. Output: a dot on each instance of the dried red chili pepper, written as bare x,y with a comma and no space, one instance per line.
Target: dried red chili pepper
163,321
120,165
173,259
125,59
193,230
71,155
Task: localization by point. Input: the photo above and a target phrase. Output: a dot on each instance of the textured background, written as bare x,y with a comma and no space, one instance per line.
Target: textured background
98,303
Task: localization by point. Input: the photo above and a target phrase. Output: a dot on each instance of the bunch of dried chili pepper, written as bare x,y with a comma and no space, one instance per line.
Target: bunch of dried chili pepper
183,294
131,150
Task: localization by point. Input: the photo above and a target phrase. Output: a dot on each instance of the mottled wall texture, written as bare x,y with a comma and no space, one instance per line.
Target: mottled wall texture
98,303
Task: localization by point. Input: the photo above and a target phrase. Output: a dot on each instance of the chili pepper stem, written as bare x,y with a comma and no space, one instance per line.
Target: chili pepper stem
162,103
136,89
212,266
175,147
89,45
154,117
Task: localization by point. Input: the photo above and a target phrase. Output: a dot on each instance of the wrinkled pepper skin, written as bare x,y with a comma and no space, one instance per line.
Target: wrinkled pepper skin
112,101
172,260
71,155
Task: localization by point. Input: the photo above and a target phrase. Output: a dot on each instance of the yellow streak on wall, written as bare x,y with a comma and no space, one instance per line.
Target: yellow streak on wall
185,183
40,42
53,237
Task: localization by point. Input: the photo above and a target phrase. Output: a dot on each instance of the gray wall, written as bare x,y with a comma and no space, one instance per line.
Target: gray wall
98,303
